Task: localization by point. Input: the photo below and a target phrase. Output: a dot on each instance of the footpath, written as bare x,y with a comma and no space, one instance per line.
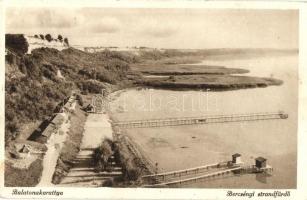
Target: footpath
82,174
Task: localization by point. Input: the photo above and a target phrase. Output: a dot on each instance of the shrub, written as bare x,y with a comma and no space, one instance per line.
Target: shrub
108,183
90,86
102,154
42,36
131,172
130,167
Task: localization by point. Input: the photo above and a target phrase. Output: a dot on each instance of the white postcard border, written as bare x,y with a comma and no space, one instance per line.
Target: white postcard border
139,193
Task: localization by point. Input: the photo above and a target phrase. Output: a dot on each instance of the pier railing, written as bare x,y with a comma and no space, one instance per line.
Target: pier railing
179,173
194,175
201,120
196,179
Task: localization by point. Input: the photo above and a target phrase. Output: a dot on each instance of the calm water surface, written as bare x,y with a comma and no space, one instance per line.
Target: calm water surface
189,146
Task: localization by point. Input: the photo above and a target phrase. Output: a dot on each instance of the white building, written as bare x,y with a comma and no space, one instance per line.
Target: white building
35,43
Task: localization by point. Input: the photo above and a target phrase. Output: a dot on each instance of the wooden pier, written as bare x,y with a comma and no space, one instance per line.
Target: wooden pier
211,171
179,173
196,179
201,120
194,175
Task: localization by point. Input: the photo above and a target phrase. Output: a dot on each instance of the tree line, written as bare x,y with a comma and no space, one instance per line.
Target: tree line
49,38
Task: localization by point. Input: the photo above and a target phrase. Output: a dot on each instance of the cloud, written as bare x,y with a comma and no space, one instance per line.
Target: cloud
57,19
160,32
105,25
171,28
157,28
42,18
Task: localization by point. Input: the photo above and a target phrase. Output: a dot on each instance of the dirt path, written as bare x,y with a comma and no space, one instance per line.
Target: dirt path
97,127
54,145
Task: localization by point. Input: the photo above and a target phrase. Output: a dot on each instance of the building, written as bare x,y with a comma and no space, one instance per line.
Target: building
260,162
236,158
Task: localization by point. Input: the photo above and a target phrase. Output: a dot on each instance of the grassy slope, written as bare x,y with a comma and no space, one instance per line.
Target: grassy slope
23,177
33,91
16,177
33,88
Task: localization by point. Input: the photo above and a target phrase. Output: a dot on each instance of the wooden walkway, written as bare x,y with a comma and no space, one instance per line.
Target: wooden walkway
194,175
195,179
201,120
179,173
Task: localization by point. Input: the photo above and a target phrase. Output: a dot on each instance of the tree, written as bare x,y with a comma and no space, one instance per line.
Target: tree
42,36
48,37
16,43
66,41
36,36
60,38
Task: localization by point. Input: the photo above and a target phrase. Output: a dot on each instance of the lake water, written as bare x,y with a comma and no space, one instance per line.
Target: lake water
190,146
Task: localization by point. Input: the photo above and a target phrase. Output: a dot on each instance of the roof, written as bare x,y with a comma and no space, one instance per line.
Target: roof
261,159
236,155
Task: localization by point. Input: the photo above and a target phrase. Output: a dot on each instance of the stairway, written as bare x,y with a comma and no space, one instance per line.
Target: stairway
82,174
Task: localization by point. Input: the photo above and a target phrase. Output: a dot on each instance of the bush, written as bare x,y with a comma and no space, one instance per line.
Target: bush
130,171
80,99
16,43
129,163
108,183
102,154
90,86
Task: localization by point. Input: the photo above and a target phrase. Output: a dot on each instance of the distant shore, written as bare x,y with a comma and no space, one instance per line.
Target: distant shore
219,84
183,76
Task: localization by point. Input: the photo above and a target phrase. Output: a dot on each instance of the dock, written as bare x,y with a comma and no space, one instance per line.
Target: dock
179,173
206,172
195,179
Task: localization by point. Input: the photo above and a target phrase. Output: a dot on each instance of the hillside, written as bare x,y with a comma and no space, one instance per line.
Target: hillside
36,83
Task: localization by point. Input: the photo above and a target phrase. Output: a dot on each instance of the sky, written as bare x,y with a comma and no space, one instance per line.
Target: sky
160,28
